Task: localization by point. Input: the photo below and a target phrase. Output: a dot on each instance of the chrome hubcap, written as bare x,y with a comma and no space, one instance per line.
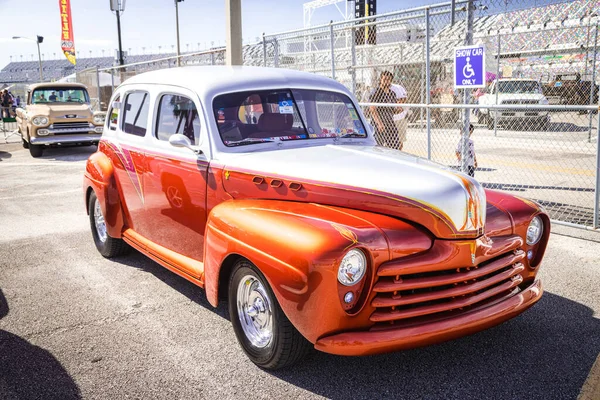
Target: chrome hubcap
99,222
254,311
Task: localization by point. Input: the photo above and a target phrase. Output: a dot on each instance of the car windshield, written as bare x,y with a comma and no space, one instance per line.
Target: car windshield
519,87
60,95
298,114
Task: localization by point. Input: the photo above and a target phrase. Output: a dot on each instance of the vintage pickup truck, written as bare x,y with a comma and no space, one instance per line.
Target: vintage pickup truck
266,188
514,91
58,114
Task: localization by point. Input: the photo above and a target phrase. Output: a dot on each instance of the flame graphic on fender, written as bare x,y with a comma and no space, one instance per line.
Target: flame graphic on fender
346,234
124,156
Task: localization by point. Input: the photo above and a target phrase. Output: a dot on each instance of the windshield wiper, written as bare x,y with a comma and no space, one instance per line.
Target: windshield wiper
249,141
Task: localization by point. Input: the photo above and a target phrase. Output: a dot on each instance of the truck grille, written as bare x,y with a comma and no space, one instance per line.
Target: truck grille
414,290
66,128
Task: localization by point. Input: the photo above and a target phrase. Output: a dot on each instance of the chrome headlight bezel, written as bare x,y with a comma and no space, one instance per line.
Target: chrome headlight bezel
39,120
535,231
99,119
352,268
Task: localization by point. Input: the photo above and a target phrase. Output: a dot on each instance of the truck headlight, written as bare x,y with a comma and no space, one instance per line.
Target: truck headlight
352,268
99,119
39,121
534,231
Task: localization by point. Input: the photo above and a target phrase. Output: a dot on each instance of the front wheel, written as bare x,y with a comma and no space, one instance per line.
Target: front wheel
266,335
36,150
107,246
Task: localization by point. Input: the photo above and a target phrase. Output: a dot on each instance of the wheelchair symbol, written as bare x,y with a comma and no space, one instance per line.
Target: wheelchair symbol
468,70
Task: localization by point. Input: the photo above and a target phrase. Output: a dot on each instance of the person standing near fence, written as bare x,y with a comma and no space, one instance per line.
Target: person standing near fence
385,129
470,159
400,116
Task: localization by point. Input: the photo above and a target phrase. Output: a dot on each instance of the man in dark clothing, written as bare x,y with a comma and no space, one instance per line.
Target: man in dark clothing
385,128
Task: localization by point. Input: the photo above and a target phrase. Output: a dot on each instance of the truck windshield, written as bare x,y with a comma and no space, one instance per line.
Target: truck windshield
260,116
532,87
60,95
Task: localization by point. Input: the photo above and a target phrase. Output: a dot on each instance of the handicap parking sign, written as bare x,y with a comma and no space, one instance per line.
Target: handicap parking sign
469,67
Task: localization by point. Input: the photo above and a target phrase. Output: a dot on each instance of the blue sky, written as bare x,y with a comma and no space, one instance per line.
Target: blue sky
150,24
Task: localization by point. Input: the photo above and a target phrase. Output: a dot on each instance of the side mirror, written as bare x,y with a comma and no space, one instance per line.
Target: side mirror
179,140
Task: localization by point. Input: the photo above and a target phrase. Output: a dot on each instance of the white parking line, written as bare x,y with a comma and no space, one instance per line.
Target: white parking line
77,163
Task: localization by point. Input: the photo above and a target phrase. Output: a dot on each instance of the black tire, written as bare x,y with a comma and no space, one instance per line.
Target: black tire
286,345
109,247
36,150
25,143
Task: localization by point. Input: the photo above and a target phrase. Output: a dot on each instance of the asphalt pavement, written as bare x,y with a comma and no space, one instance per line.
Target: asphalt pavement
76,325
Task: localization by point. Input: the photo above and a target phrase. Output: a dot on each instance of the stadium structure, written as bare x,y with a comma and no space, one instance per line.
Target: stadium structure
534,42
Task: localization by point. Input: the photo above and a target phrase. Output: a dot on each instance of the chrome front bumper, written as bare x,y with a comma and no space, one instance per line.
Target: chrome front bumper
87,137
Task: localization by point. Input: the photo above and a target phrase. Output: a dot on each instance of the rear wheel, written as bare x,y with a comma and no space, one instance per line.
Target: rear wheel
266,335
106,245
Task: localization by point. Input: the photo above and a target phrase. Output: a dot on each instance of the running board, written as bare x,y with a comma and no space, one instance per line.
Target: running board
169,259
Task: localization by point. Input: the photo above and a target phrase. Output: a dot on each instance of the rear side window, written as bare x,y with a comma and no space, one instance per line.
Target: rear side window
135,113
177,114
113,115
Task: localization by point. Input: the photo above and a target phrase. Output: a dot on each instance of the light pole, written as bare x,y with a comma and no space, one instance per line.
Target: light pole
177,28
118,6
38,40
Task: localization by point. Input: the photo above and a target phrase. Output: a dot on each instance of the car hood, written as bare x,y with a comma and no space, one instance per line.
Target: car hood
365,177
60,110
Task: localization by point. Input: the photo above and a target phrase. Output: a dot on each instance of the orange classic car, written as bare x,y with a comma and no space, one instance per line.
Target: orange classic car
266,188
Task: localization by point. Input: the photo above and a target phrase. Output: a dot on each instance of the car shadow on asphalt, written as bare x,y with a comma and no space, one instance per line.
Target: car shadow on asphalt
68,153
547,352
194,293
30,372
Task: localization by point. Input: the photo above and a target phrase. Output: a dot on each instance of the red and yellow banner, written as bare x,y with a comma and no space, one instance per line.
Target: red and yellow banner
67,40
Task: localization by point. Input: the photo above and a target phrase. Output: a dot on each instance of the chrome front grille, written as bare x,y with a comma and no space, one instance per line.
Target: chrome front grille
66,128
420,292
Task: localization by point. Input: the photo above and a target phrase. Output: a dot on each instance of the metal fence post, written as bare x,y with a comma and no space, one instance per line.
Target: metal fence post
212,58
427,82
112,80
353,60
593,83
467,92
264,50
596,222
275,53
496,85
98,88
331,41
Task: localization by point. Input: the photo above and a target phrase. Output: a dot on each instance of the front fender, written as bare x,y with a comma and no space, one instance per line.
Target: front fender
298,248
99,176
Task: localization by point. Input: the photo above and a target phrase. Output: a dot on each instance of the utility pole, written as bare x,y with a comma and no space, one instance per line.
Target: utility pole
118,6
233,35
177,28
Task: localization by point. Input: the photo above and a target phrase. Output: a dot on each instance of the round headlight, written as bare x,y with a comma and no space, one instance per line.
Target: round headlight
534,231
99,119
352,268
40,121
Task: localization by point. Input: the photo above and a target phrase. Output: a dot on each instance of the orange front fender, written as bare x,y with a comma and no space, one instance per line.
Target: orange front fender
99,177
298,247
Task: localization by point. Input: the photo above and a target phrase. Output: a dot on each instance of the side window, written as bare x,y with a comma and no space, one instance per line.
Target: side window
177,114
135,113
113,116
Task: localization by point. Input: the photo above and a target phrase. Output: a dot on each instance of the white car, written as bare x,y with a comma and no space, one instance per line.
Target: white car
514,92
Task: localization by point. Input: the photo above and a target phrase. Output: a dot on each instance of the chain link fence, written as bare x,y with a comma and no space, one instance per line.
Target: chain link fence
535,124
